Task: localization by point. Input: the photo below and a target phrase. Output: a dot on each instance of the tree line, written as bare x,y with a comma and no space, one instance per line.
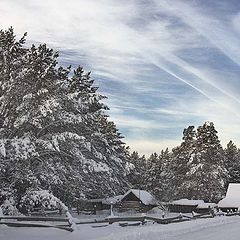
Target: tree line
197,169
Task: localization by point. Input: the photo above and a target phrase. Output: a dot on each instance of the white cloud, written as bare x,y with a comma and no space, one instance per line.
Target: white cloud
218,32
235,23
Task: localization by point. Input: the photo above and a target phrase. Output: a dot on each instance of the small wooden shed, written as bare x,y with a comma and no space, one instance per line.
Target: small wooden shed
101,203
205,207
232,200
184,205
94,205
137,200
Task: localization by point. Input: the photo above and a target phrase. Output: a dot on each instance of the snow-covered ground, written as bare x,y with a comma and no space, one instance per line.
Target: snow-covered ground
219,228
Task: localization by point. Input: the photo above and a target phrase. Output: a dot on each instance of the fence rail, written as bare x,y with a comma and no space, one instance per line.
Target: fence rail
66,224
37,221
143,219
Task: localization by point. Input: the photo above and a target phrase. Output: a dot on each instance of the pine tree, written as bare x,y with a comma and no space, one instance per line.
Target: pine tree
137,173
154,168
54,132
166,176
16,151
180,164
232,163
12,63
207,173
158,175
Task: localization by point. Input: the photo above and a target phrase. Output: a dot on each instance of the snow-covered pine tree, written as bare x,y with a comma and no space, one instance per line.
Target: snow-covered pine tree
54,131
11,66
154,168
232,163
35,110
207,173
180,164
15,151
102,155
166,176
137,173
158,175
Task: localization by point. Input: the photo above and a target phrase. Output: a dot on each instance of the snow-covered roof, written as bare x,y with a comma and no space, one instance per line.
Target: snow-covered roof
233,190
144,196
206,205
109,200
187,202
232,199
95,200
229,203
112,200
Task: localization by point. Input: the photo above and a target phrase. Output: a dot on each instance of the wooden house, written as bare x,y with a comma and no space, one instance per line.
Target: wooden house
101,203
184,205
95,205
205,207
232,200
133,199
137,200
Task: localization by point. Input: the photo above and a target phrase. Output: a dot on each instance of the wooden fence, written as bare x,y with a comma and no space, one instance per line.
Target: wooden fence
65,223
37,221
143,219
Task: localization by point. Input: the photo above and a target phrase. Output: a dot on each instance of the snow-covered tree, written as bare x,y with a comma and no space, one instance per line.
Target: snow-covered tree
40,199
207,173
232,163
158,175
137,173
154,168
54,131
12,63
181,161
197,165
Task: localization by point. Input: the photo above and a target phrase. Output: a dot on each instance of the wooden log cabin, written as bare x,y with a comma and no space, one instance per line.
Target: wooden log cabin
136,200
132,200
184,205
205,207
101,203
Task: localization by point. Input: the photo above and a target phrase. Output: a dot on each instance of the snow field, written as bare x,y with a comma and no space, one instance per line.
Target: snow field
218,228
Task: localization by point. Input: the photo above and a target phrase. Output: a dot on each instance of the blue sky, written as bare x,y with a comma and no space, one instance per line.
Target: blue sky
163,64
